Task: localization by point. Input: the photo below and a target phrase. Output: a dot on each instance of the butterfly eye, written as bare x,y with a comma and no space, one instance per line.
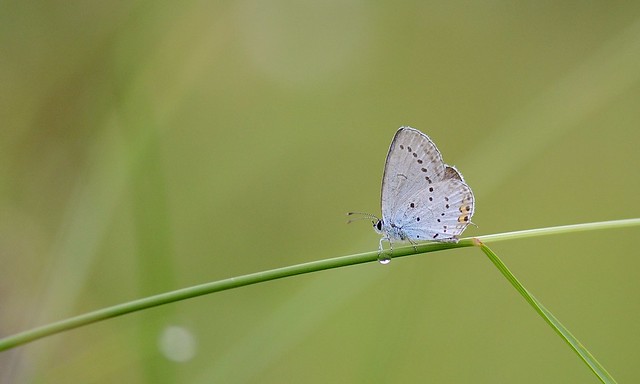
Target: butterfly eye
378,225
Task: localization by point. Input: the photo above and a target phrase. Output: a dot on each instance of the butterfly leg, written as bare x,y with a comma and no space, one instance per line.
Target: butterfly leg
380,247
415,245
382,256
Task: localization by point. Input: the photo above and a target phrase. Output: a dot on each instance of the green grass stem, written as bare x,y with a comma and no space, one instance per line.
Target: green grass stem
557,326
315,266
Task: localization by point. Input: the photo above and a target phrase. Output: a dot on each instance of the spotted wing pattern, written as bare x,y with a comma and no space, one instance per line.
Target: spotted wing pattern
422,197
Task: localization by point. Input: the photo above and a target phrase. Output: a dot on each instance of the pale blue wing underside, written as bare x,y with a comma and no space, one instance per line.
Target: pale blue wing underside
422,197
413,163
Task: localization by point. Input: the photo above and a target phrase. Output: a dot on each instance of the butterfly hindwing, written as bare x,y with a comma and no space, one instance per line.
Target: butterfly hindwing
441,214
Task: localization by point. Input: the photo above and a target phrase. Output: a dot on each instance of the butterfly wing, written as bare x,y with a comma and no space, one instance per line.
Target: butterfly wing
413,164
440,212
452,172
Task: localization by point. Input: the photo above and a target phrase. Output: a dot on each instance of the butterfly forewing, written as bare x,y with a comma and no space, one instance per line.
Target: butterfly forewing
413,163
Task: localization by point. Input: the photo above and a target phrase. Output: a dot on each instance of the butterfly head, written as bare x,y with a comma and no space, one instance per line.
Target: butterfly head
377,223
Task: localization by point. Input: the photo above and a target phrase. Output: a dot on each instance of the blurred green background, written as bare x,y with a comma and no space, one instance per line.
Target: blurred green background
149,146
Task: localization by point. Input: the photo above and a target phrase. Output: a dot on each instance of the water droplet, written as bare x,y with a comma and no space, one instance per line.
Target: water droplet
384,259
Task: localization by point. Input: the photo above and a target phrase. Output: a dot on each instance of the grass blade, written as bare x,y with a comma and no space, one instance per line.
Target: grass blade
584,354
30,335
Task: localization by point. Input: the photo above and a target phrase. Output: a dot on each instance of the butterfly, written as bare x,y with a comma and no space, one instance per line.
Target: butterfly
423,199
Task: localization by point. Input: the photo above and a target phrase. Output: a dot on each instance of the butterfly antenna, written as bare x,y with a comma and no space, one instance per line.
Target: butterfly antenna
364,216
